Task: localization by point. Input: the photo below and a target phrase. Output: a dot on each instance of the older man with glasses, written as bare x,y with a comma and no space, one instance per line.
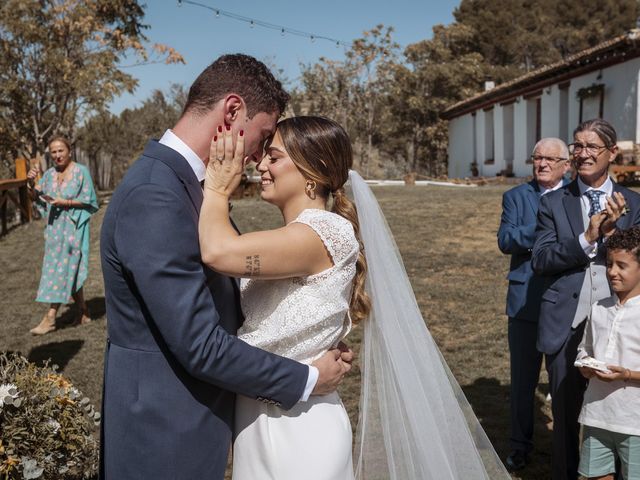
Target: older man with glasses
569,252
515,237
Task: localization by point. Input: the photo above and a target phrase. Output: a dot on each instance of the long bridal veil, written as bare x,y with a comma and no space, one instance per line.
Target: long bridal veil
415,422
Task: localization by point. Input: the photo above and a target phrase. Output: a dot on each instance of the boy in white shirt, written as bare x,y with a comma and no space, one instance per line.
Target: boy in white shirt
611,411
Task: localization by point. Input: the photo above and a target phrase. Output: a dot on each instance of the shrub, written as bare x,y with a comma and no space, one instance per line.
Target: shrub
46,425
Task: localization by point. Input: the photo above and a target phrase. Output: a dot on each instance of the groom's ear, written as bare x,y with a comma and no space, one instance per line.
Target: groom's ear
233,106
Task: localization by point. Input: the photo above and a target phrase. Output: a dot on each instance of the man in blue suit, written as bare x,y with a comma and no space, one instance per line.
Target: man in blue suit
172,362
569,251
515,237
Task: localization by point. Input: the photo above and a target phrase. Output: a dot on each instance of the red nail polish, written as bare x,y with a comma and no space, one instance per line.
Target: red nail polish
241,133
219,128
228,127
215,138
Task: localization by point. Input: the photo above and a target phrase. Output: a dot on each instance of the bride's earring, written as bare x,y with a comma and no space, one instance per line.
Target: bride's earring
310,189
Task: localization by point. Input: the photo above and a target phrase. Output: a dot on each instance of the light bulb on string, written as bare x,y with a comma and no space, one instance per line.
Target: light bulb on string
252,22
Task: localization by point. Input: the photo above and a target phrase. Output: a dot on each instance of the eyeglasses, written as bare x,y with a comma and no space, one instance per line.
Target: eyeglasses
550,160
590,148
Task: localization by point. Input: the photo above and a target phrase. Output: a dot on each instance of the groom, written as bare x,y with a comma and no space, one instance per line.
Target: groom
172,362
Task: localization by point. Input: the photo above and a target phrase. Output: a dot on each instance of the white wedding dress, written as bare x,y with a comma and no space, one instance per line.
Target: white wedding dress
299,318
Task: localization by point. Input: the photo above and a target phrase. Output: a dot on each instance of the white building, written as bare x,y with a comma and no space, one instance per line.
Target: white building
497,129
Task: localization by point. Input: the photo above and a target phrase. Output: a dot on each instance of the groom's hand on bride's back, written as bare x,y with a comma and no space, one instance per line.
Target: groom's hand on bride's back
346,353
331,370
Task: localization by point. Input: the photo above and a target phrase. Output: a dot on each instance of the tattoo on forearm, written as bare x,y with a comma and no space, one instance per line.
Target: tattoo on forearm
252,265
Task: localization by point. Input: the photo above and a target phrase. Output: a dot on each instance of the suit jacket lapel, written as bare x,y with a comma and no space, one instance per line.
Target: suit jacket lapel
185,173
573,207
533,195
179,165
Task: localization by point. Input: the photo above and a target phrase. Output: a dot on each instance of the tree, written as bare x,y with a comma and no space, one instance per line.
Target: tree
437,73
327,89
112,142
352,91
59,61
516,36
370,59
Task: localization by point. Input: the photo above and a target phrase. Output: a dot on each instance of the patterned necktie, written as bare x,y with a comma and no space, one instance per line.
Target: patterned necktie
594,200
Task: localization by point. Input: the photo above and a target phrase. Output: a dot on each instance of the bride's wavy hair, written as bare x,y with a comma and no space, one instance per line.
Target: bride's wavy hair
321,150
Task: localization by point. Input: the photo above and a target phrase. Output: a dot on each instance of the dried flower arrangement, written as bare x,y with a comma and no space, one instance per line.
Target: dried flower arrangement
46,425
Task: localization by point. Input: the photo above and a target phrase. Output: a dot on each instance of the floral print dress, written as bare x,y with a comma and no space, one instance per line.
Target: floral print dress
66,235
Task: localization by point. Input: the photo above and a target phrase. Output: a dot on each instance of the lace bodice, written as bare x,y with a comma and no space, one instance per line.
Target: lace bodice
302,317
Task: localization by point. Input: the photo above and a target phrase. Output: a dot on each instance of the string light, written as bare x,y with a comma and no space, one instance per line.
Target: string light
253,22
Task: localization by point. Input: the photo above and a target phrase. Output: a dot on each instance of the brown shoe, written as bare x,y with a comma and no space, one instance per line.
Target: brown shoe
46,325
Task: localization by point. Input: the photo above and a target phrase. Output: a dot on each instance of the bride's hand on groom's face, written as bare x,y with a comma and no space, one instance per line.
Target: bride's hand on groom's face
226,161
331,369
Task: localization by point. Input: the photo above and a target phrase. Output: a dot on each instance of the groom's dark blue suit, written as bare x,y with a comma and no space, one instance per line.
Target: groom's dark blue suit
171,361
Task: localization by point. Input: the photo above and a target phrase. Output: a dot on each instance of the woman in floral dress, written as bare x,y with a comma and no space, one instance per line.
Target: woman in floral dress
66,199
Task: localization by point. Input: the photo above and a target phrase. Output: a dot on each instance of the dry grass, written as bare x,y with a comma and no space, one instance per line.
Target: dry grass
447,237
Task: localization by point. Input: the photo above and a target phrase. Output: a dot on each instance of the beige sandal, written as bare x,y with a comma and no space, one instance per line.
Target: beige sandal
46,325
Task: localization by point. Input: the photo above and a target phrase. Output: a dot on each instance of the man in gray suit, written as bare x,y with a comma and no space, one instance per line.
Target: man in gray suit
515,237
172,362
569,251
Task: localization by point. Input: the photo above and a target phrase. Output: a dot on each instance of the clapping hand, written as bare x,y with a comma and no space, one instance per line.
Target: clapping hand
226,162
604,223
615,207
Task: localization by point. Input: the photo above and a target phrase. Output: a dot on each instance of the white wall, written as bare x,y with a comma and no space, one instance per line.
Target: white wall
550,111
508,129
460,146
621,97
520,152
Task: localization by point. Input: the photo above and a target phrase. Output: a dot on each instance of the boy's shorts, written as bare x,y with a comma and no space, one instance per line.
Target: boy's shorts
599,449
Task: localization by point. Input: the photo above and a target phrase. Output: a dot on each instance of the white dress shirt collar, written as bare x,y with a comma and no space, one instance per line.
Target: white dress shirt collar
544,191
172,141
606,187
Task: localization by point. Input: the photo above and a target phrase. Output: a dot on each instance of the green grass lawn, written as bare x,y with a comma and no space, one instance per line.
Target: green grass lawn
447,237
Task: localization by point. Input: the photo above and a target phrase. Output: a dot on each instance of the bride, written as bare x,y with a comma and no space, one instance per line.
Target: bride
303,290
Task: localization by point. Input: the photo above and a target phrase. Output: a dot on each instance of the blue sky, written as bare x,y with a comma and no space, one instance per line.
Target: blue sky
201,37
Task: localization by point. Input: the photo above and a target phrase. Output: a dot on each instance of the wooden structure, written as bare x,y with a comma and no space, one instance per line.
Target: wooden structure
15,189
625,173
